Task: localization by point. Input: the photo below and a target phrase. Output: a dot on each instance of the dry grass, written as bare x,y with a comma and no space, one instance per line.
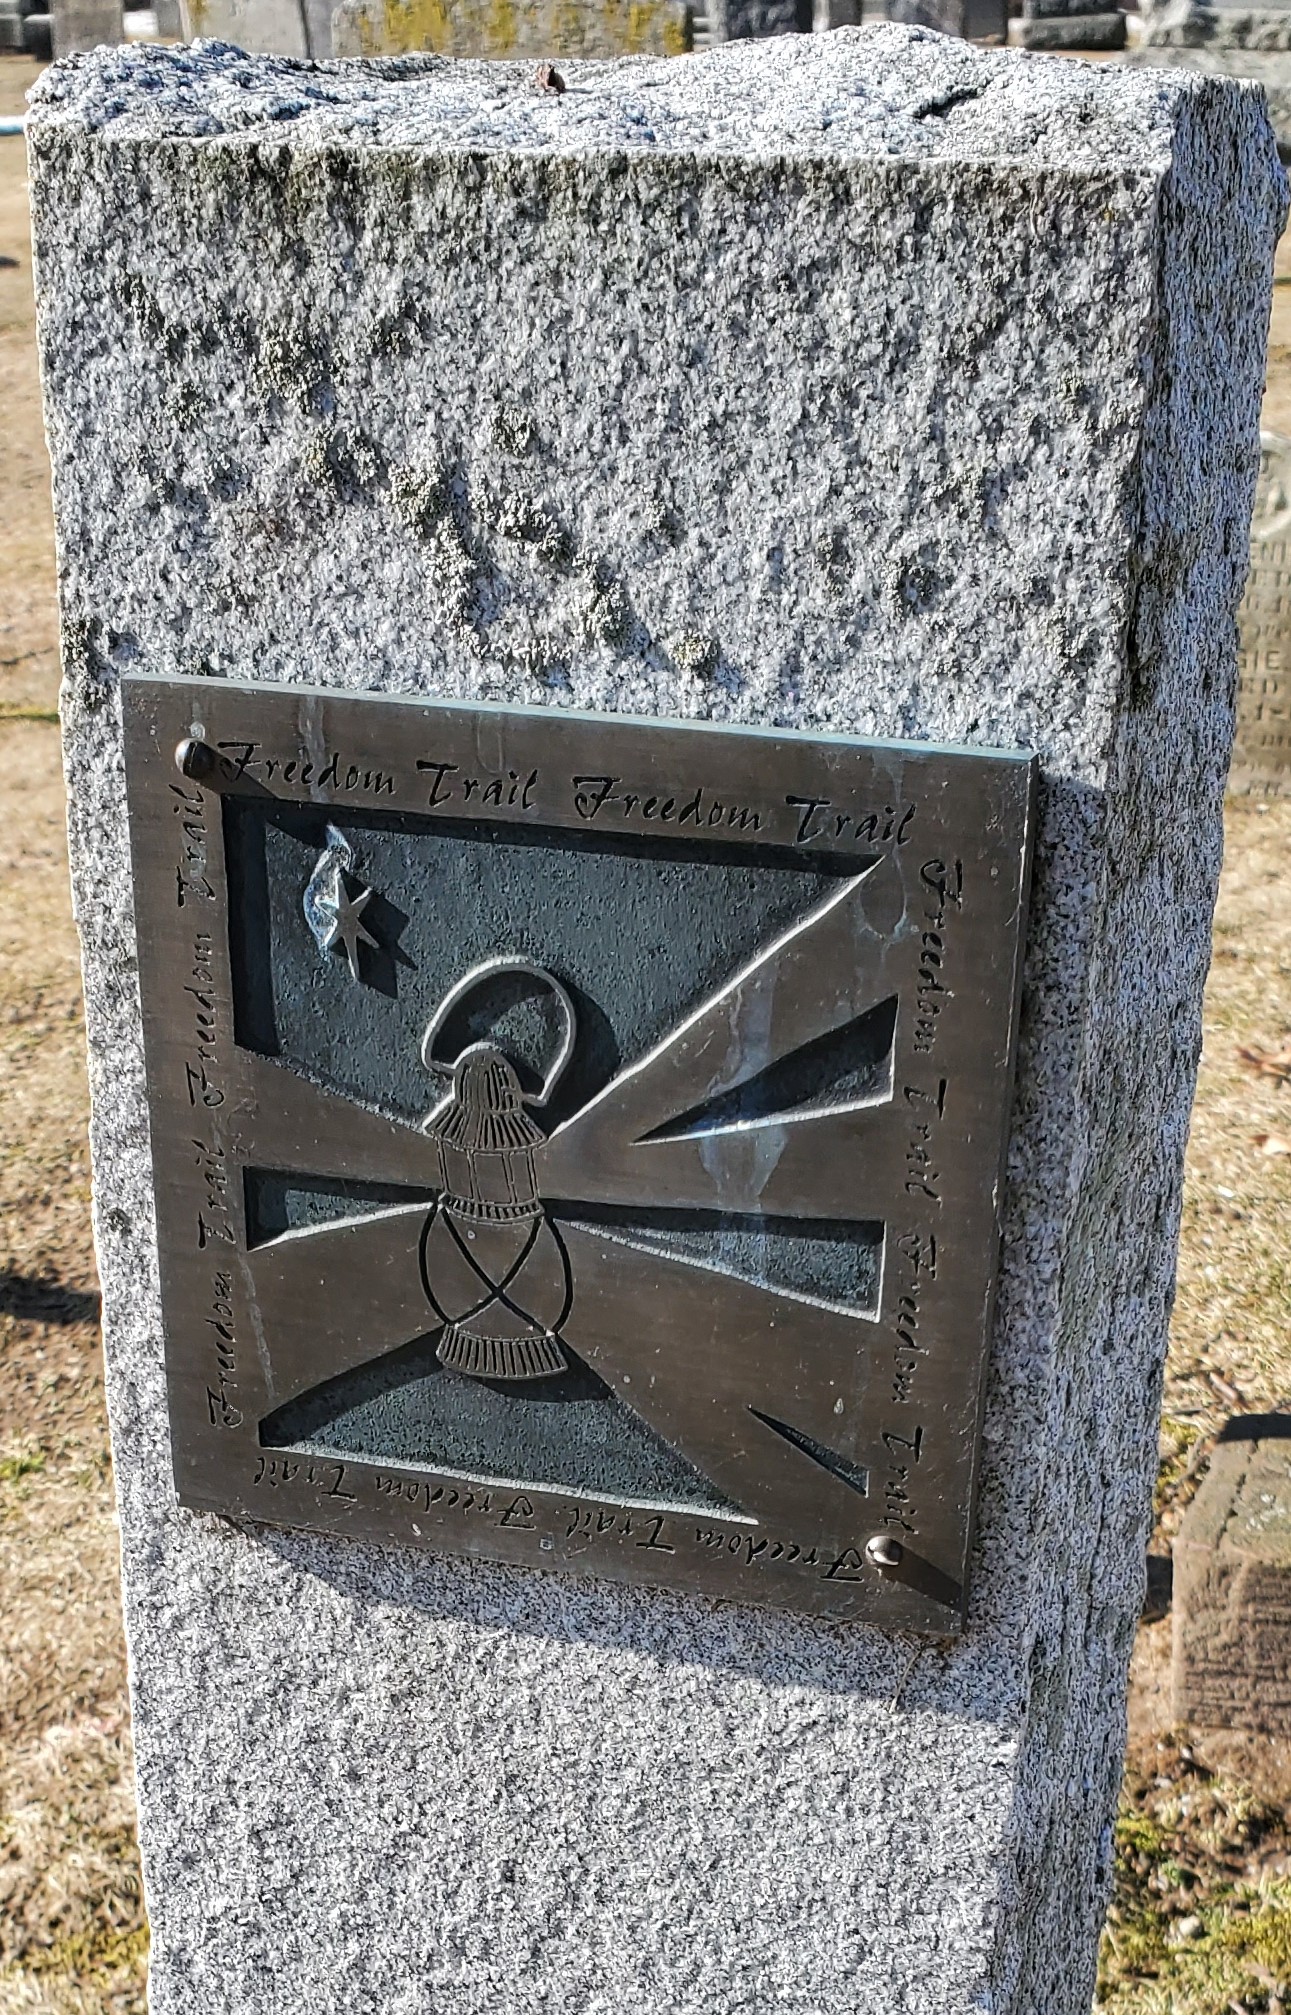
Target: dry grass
1202,1919
1231,1339
72,1935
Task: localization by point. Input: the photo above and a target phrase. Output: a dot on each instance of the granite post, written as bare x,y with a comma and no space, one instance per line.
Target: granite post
872,382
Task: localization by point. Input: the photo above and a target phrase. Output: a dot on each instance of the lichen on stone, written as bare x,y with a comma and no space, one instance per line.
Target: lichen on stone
530,524
420,495
695,654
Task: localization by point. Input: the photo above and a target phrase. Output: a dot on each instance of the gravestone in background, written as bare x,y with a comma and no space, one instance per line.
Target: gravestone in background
86,24
1232,1585
1226,39
1069,24
743,20
864,385
1262,751
275,27
983,20
532,28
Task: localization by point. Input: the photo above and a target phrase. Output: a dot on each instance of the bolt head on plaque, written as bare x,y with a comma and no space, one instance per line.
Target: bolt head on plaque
685,1274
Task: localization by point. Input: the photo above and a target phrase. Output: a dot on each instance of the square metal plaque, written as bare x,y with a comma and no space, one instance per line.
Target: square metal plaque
578,1141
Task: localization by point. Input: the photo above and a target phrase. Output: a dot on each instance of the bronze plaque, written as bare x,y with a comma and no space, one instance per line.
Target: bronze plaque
578,1141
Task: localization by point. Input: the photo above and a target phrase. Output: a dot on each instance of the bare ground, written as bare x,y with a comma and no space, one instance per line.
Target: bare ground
1201,1923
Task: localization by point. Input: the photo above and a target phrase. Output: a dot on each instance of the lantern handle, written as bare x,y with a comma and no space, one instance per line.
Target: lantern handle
492,969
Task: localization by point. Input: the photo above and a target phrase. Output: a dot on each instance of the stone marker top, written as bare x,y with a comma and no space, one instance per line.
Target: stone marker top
867,93
1243,1509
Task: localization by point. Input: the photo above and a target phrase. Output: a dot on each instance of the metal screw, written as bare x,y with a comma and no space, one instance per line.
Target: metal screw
883,1551
195,760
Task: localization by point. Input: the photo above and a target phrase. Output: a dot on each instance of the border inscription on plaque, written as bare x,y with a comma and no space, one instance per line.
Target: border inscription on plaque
578,1141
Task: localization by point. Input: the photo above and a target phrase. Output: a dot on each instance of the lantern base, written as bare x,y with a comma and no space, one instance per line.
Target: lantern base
538,1355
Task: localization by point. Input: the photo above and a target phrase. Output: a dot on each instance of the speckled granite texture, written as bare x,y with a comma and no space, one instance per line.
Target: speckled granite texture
866,381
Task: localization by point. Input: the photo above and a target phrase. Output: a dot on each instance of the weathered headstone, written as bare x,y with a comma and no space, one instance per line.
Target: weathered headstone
1262,751
1232,1585
565,28
86,24
1226,39
982,20
860,385
743,20
532,28
269,27
1069,24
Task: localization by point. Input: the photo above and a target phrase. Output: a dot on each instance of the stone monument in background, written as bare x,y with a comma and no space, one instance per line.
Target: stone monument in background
1262,752
1069,24
564,28
979,20
272,27
77,25
708,466
1226,39
534,28
1232,1585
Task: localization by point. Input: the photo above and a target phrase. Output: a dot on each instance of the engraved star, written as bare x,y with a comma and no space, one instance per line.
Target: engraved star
345,926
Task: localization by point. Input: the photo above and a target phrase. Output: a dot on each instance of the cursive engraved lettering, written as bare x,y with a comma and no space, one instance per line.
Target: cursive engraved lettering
337,773
277,1470
904,1452
192,884
220,1397
916,1270
496,790
700,809
820,820
943,885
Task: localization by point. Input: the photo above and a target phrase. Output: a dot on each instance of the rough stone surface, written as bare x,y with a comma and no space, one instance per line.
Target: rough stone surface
874,383
86,24
1232,1585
